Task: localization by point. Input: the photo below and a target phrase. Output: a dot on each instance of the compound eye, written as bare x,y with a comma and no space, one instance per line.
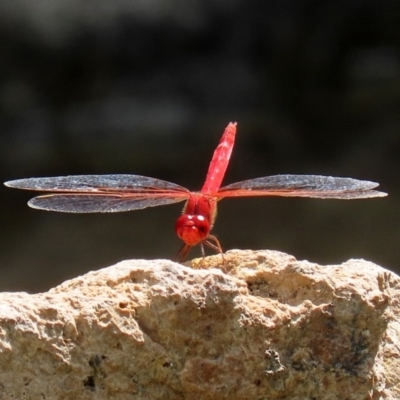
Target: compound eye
192,229
201,224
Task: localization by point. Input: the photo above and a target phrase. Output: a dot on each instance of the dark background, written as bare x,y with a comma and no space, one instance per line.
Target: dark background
147,87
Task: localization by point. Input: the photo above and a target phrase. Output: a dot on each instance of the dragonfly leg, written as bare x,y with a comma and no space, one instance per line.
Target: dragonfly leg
216,247
183,252
203,253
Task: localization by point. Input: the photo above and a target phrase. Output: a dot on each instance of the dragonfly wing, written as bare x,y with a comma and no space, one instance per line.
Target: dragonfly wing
86,203
100,193
317,186
96,183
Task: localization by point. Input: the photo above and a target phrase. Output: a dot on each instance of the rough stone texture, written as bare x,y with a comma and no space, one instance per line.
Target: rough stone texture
268,327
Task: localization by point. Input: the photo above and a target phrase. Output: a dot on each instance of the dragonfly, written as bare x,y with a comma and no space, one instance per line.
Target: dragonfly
122,192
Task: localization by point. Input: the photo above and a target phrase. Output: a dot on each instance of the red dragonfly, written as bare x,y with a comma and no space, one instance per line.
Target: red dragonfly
116,193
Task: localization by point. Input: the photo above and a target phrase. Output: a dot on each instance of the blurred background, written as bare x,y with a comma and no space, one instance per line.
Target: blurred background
147,87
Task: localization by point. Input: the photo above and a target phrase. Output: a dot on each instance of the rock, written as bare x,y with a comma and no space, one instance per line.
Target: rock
268,327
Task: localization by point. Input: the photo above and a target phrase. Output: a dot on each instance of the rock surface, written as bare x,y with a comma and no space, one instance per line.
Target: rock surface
268,327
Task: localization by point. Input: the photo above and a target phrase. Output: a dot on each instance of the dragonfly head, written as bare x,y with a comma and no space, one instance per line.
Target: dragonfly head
192,229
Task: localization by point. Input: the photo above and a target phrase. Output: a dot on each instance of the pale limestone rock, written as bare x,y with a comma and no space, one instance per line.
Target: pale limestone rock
268,327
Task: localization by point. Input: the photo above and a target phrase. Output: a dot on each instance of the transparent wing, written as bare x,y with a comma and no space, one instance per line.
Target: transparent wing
317,186
100,193
97,203
96,183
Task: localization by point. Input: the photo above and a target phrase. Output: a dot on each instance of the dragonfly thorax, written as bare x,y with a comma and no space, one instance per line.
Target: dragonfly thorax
192,229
